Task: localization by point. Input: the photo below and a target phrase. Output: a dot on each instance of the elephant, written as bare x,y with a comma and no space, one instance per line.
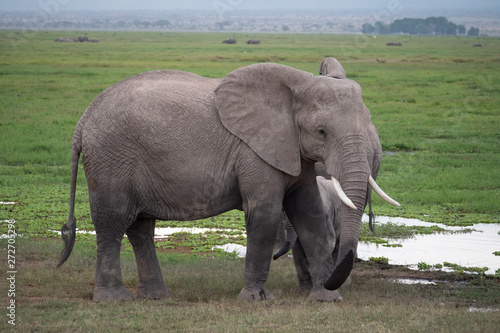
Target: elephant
330,67
166,145
332,207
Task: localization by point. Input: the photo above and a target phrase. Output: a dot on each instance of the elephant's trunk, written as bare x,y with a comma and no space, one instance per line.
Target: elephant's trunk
353,174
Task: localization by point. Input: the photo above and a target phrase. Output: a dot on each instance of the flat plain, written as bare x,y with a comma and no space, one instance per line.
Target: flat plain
435,102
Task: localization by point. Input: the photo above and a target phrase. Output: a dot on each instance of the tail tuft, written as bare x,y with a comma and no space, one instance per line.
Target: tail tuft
68,233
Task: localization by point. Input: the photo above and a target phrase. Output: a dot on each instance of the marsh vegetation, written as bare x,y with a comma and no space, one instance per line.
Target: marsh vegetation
435,104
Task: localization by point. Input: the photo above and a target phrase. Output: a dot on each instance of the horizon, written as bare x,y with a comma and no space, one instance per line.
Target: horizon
314,16
395,7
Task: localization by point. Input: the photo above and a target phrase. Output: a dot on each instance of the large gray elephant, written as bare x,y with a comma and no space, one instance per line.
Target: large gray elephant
332,207
331,67
174,145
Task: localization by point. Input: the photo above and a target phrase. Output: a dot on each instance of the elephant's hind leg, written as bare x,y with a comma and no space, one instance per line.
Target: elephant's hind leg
262,226
108,275
141,236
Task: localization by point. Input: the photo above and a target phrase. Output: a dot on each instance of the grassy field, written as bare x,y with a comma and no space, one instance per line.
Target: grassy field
205,298
434,100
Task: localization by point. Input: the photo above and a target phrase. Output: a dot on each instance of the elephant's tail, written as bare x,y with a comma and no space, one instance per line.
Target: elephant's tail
291,237
68,230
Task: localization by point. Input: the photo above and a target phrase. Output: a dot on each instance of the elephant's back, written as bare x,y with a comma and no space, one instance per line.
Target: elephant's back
149,91
152,100
161,118
160,132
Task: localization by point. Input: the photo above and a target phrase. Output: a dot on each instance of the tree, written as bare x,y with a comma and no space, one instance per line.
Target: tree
473,32
368,29
220,25
451,28
162,23
381,27
416,26
421,29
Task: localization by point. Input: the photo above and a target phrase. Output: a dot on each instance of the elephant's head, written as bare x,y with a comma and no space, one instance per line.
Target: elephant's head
287,116
331,67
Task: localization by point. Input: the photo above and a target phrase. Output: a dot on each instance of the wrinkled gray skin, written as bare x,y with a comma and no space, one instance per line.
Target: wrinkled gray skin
174,145
332,206
331,202
331,67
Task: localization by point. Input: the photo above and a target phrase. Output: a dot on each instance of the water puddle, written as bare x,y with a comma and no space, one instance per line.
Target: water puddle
473,249
165,232
484,310
240,250
413,281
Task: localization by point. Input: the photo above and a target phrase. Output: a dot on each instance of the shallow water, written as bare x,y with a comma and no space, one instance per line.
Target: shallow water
413,281
473,249
165,232
465,249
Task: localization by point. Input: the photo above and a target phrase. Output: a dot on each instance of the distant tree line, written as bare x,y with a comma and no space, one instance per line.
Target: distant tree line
418,26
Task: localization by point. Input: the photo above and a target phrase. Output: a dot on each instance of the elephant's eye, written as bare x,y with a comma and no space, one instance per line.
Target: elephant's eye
322,132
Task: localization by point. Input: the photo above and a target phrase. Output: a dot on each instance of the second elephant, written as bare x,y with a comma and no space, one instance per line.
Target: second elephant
332,205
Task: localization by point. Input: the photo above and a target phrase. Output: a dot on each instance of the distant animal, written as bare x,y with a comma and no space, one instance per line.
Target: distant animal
393,44
81,39
229,41
477,45
253,41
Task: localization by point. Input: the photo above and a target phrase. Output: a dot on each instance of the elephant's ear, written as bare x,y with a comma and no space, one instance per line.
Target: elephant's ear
255,103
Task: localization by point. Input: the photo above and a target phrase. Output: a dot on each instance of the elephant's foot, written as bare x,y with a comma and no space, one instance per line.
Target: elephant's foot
303,290
320,294
305,285
255,294
154,292
114,293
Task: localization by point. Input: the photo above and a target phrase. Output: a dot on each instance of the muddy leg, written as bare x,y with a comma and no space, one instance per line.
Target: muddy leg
141,236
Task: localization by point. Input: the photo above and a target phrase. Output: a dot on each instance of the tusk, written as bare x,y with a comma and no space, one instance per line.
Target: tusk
382,194
345,199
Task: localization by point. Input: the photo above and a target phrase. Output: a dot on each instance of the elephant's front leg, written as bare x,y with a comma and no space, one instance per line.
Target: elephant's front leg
304,208
141,236
108,274
262,226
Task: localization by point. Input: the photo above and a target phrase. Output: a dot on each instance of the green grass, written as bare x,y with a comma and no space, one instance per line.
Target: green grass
445,134
205,289
444,168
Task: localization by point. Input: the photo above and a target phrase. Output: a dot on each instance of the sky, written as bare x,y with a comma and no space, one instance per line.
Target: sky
262,5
